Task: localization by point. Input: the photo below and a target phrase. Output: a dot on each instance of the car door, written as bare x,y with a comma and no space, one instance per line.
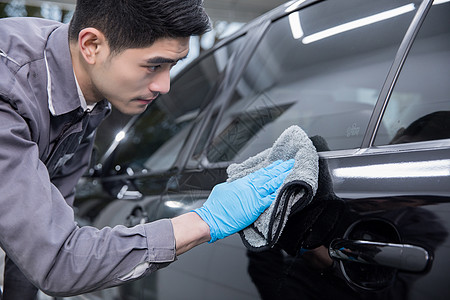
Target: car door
328,67
401,182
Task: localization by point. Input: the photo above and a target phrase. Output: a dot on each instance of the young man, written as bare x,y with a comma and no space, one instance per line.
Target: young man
57,83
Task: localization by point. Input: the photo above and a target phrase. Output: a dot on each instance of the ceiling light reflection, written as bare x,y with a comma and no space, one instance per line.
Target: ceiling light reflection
434,168
296,26
436,2
358,23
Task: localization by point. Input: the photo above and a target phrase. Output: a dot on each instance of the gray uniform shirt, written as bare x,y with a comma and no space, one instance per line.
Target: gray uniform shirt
46,139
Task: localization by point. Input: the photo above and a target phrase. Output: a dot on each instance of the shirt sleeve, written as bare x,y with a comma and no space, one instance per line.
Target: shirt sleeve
38,231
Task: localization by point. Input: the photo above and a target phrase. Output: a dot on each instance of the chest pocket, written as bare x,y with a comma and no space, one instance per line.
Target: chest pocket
66,145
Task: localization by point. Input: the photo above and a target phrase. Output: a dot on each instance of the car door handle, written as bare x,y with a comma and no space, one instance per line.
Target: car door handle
399,256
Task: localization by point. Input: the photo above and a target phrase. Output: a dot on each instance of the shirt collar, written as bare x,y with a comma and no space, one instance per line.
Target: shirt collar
64,94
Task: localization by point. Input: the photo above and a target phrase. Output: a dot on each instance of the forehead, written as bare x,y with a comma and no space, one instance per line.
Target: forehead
164,50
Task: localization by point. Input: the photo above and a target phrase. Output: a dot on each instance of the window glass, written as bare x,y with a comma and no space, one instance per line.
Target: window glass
321,68
157,137
419,108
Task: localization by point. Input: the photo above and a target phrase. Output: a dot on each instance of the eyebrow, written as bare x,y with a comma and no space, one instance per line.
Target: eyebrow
163,60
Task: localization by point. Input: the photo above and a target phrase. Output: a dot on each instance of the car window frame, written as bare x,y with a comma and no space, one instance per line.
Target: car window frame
381,102
392,76
368,147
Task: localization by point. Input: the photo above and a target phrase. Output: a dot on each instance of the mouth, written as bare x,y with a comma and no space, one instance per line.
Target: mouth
144,101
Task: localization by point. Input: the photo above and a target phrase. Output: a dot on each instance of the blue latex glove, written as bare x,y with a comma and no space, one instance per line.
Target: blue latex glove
232,206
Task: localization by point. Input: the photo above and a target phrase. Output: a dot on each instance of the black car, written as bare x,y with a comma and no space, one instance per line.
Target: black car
369,82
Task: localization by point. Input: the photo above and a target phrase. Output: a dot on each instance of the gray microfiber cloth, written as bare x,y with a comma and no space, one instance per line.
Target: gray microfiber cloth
297,190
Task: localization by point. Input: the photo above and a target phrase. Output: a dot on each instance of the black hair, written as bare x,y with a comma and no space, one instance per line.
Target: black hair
139,23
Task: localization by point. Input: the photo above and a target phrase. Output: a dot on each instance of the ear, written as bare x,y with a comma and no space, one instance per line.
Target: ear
92,43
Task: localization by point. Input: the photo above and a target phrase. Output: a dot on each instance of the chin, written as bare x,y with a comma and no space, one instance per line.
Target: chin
131,110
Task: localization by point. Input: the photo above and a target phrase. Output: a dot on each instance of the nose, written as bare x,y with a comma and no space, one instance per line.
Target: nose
161,82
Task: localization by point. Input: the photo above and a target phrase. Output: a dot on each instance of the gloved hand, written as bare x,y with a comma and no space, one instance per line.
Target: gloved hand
232,206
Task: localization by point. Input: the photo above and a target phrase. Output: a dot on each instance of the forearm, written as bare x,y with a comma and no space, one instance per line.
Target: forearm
190,231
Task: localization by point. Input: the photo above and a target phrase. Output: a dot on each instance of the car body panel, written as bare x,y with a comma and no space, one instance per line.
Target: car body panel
377,187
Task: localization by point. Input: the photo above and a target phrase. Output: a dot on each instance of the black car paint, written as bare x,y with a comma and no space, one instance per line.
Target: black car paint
402,205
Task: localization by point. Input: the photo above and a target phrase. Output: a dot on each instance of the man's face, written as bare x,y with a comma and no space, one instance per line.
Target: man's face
132,79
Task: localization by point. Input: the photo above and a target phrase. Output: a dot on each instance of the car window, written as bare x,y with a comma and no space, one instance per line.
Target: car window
321,68
154,141
419,108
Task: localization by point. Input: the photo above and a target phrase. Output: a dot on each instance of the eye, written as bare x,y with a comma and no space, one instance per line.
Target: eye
153,68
